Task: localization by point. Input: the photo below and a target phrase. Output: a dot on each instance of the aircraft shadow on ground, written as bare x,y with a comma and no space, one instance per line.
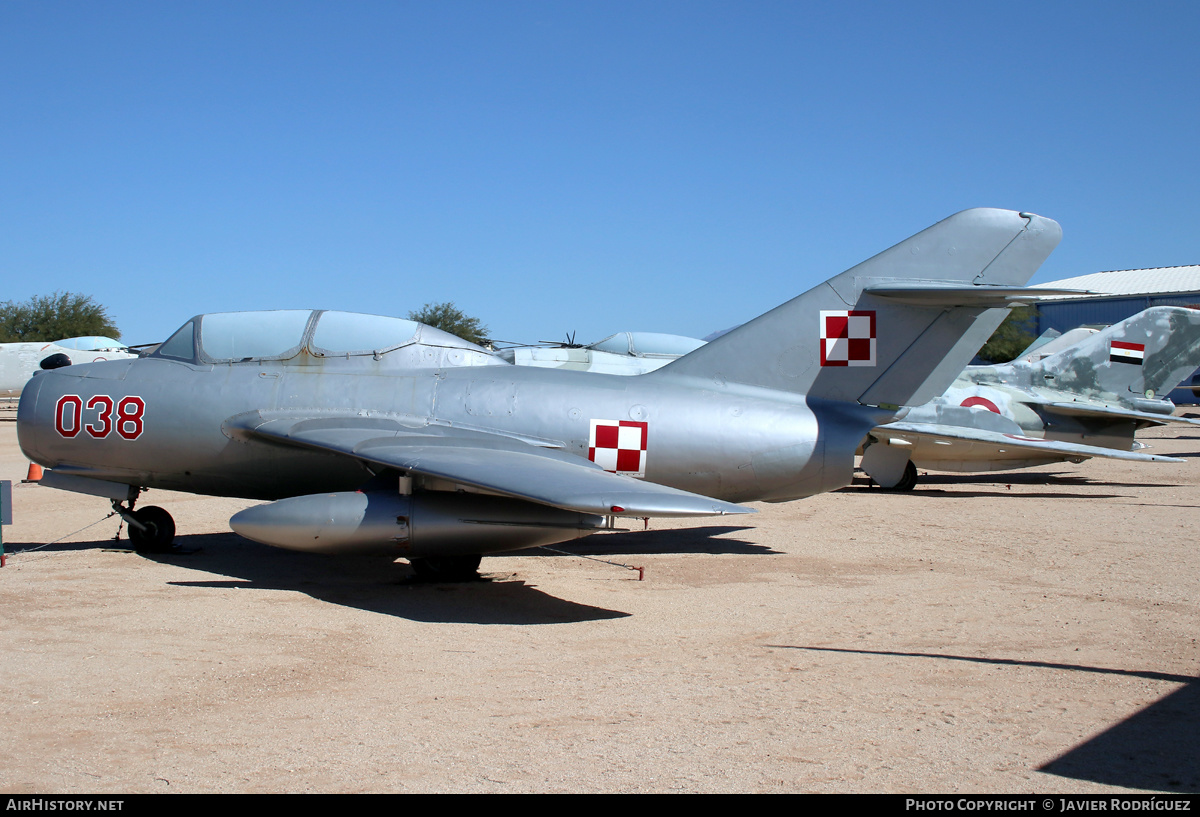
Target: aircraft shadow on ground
1154,749
19,549
390,588
372,584
1001,484
1054,479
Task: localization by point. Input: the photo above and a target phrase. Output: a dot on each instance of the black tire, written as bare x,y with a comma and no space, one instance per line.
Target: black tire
908,481
159,534
447,568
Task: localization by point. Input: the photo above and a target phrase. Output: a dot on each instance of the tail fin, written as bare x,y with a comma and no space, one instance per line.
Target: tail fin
1144,356
894,330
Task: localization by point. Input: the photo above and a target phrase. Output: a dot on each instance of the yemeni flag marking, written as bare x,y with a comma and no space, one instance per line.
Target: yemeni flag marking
1121,352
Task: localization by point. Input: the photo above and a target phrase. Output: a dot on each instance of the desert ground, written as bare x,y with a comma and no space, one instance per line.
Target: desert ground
1029,631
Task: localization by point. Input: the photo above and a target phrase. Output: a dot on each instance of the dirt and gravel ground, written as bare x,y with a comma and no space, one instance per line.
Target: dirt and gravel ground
1033,631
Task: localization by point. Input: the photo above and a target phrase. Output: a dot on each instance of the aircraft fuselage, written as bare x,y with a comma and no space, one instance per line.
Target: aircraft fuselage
167,424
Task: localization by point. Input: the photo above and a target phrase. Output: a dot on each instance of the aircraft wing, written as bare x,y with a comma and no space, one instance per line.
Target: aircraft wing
1005,445
1107,413
492,462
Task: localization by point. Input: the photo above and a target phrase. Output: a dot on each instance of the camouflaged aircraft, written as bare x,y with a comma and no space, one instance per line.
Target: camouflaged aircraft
1050,405
380,435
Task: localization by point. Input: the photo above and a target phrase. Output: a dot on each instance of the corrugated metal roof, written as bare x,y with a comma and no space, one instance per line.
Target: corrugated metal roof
1157,281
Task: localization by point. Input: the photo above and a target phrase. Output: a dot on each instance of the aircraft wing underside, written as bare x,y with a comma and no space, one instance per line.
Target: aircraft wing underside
1108,413
491,462
994,445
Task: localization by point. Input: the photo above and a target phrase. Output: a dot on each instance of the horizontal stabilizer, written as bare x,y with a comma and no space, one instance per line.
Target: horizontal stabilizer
933,294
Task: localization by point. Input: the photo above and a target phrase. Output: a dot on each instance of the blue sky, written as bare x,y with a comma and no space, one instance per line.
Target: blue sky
570,166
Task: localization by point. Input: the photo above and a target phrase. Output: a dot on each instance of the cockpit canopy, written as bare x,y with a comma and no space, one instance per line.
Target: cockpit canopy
92,343
231,337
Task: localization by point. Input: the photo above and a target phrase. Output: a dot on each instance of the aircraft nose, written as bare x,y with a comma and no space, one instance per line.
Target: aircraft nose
29,421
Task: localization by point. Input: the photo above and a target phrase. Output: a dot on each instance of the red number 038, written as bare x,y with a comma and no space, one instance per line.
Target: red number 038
105,415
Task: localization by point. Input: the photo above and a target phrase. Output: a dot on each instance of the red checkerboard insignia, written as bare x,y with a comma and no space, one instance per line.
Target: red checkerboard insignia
848,337
619,446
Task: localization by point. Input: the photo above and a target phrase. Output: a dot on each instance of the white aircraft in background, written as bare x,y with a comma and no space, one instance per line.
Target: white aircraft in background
627,353
18,361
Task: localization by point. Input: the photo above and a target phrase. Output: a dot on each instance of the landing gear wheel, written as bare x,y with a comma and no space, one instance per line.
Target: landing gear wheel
908,481
447,568
159,533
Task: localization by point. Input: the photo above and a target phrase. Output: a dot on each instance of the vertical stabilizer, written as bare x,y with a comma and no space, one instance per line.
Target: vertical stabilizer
853,339
1144,356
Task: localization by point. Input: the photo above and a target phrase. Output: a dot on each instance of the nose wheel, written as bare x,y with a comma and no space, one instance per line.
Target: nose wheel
151,529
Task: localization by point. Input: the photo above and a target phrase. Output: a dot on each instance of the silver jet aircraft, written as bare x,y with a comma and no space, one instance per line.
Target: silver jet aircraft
381,435
1082,401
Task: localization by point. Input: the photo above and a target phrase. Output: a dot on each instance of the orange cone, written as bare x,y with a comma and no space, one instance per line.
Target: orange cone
35,473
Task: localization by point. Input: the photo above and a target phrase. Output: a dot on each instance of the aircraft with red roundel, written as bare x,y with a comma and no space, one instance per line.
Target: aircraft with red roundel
1052,405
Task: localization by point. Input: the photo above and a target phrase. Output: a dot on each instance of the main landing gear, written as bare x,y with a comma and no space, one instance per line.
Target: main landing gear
151,529
908,481
889,466
447,568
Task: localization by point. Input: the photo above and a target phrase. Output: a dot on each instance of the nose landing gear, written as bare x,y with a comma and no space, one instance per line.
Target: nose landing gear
151,529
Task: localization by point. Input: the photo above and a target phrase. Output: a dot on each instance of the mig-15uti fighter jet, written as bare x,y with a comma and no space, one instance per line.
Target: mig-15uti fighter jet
381,435
1086,400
